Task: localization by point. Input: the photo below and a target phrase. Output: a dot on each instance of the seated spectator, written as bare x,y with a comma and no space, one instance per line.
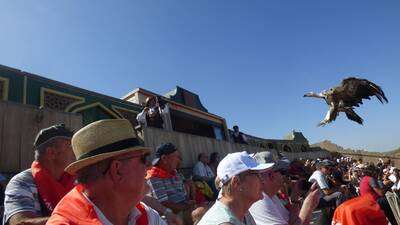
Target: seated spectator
202,172
331,197
3,184
166,186
201,169
110,168
270,210
154,113
238,137
238,176
361,210
32,195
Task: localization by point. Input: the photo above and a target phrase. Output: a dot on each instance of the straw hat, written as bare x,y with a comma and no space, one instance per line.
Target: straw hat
101,140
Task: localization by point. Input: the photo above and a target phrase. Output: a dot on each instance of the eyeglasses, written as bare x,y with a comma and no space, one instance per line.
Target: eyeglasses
144,158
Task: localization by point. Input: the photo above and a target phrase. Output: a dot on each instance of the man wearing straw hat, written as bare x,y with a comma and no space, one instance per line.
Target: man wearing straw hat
110,168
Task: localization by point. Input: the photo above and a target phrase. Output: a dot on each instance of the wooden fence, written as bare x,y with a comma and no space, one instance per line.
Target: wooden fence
19,125
191,145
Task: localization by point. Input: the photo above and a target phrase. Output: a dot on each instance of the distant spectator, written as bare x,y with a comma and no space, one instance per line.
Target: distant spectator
369,185
214,161
154,113
395,179
238,176
238,137
202,170
32,195
331,197
166,185
361,210
270,210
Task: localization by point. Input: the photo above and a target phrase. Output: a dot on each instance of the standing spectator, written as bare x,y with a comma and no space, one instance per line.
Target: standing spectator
154,113
369,185
31,195
331,197
239,178
110,168
166,185
361,210
214,161
238,137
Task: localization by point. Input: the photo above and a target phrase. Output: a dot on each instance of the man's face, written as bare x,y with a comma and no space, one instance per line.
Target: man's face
173,159
326,170
204,158
133,171
63,152
272,180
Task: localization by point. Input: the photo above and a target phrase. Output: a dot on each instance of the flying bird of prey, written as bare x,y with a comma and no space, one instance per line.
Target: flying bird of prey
348,95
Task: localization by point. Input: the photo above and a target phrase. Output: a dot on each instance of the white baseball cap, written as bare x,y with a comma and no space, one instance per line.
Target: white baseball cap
236,163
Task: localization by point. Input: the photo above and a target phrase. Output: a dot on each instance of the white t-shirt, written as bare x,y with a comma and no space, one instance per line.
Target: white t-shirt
392,178
319,177
202,170
269,210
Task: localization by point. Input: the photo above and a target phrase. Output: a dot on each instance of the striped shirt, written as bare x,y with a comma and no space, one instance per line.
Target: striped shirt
21,195
167,189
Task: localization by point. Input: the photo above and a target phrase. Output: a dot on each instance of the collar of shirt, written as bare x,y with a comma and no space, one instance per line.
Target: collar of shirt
135,213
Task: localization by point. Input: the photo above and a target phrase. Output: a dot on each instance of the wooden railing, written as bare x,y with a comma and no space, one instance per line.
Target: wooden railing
191,145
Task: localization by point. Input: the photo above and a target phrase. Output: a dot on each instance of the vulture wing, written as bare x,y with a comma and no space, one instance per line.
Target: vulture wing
353,90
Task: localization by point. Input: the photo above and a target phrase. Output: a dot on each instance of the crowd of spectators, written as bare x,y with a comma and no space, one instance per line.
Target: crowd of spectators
102,174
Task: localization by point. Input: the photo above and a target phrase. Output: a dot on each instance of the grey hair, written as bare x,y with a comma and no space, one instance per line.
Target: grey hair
93,172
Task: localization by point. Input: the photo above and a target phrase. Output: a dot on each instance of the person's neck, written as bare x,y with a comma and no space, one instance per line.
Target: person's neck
238,207
52,167
106,201
270,192
166,168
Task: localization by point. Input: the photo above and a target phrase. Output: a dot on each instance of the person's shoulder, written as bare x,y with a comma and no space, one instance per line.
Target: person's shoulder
217,214
198,166
23,178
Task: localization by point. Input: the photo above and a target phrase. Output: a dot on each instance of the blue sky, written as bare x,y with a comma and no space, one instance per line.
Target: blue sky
250,61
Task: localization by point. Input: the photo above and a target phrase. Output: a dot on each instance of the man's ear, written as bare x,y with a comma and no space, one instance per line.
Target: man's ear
235,181
115,171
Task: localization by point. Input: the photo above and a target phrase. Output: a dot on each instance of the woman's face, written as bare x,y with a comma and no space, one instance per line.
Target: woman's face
250,185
